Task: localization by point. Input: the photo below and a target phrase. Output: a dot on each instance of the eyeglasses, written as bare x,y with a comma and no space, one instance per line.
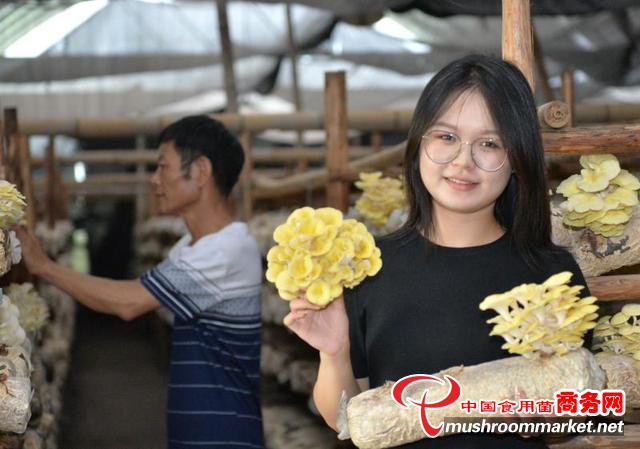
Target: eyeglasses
441,147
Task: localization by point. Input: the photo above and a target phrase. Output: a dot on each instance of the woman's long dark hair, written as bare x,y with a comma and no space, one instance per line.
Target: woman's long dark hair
523,207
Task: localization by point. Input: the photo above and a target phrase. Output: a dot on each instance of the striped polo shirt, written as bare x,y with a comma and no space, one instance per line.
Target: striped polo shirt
213,288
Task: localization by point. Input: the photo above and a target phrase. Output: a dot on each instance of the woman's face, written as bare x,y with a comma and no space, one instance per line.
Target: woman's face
460,186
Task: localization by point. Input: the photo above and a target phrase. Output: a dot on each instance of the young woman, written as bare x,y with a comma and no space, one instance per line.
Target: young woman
478,224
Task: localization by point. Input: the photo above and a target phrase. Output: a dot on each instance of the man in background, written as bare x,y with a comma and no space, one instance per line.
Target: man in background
210,281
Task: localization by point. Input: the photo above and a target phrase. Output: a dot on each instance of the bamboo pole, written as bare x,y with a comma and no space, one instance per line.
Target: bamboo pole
336,128
567,93
227,57
517,42
245,177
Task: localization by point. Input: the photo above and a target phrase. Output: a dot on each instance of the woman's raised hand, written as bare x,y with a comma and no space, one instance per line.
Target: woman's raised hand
326,329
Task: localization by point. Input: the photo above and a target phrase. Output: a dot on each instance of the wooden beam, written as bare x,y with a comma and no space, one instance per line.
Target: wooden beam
312,179
336,127
614,288
554,114
621,139
517,39
259,155
227,57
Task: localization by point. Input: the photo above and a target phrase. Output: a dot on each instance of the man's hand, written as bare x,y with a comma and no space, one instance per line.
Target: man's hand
32,254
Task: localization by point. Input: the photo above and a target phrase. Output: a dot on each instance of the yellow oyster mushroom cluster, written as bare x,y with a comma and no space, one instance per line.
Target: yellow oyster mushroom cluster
542,319
601,197
380,197
619,334
12,204
34,311
318,253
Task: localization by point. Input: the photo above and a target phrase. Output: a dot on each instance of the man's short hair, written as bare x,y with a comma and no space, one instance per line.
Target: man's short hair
200,135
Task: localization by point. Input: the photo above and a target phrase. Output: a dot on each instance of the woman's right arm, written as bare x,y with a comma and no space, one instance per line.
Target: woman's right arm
327,330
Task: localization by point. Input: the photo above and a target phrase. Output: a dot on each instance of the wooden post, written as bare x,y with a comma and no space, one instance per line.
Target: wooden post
517,40
141,189
245,177
51,183
335,122
376,141
3,152
567,94
295,86
11,144
227,57
24,154
543,76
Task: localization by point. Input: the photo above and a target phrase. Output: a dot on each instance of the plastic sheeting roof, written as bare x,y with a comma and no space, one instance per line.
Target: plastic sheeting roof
140,58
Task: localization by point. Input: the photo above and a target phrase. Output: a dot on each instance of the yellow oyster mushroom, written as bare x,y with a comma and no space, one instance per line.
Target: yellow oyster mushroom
376,265
631,310
329,216
311,227
300,266
595,161
581,312
319,293
569,186
558,279
624,196
583,202
619,319
336,290
363,246
300,215
368,178
287,295
593,180
278,254
614,217
321,245
285,282
273,271
627,180
283,234
344,247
